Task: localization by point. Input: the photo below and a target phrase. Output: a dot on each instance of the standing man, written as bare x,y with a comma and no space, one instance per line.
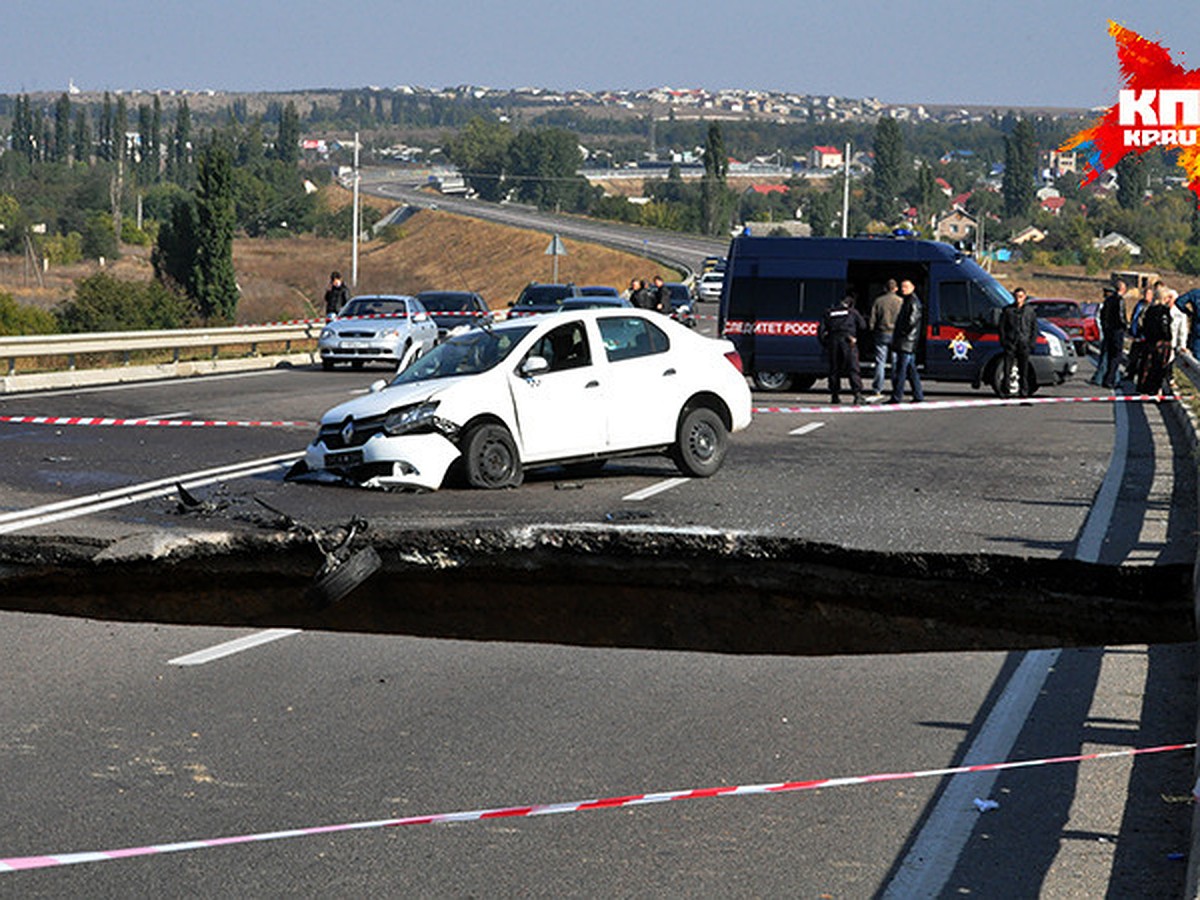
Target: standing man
1112,318
1018,334
884,311
906,338
1189,303
336,296
839,331
662,296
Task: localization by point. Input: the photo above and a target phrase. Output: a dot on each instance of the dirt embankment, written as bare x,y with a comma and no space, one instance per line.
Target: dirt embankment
286,278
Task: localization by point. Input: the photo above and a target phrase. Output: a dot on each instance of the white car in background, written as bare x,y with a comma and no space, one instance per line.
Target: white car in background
389,328
575,389
709,286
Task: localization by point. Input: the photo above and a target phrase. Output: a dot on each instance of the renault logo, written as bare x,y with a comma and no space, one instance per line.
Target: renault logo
348,431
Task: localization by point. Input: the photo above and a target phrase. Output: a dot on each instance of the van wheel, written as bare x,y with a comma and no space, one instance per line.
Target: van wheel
772,381
700,443
996,378
490,457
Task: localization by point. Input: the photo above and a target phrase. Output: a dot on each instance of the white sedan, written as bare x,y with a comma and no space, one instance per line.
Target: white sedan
576,389
388,328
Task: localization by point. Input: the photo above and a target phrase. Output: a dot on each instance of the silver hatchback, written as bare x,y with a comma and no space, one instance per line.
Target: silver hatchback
393,329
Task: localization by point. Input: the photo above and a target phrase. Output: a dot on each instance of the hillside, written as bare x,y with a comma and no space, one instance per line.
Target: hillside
286,278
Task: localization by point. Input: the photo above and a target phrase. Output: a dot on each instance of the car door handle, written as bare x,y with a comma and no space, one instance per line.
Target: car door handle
668,372
591,384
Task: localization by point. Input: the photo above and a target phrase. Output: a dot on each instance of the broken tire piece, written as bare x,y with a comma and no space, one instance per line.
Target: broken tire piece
334,584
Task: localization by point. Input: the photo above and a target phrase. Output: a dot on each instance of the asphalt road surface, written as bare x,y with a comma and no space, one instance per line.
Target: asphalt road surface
108,744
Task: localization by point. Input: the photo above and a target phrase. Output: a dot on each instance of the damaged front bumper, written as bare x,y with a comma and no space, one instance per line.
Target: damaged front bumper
415,461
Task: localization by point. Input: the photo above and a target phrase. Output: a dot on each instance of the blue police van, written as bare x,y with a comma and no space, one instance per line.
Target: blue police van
777,289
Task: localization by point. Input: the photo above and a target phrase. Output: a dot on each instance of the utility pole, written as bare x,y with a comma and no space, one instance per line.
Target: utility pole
846,193
354,245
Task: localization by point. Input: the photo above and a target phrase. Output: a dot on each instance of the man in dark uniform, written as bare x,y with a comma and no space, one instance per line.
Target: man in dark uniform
1113,324
1018,335
838,332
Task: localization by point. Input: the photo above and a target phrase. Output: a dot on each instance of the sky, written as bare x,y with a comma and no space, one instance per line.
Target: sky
1023,53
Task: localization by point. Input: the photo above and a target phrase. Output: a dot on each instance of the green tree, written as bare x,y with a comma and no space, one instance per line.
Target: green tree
99,239
1020,169
179,158
17,318
216,284
287,143
715,199
888,180
104,303
175,251
480,151
61,150
81,141
1131,181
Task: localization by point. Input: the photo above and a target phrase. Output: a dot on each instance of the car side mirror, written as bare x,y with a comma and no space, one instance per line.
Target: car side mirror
535,365
377,386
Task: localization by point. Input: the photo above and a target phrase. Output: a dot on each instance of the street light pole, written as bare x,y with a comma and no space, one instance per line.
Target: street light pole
354,226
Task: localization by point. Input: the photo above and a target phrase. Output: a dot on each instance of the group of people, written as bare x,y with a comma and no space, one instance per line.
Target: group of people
1157,327
894,322
654,295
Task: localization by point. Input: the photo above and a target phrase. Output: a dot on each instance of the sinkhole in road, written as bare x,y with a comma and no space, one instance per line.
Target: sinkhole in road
614,586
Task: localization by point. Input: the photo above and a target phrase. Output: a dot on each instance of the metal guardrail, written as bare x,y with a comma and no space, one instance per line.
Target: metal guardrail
71,346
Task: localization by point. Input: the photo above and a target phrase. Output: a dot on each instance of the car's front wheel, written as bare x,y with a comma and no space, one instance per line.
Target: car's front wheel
490,457
700,444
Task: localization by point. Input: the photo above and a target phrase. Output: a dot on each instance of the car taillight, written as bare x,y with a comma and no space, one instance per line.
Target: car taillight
735,360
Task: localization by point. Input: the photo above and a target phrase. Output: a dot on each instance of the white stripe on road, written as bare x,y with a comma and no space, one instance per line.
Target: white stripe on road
805,429
250,641
934,855
82,506
644,493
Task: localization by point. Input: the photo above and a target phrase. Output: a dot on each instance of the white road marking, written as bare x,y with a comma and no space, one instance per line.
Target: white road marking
934,855
200,657
135,493
172,415
656,489
805,429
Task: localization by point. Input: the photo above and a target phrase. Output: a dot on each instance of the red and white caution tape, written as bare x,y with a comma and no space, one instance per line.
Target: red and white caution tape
19,863
927,405
146,423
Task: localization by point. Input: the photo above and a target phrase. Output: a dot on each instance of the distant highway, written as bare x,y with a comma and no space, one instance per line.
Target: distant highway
669,247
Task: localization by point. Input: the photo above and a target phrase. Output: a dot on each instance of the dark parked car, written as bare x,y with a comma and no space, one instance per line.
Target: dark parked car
599,290
538,297
451,309
595,301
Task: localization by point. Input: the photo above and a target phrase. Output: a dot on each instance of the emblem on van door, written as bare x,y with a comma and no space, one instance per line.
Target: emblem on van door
960,348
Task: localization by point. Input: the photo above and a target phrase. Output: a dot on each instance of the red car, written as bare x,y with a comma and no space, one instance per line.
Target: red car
1070,317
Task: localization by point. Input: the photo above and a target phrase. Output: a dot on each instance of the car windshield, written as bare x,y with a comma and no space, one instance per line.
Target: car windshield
1057,310
446,302
374,306
543,294
469,353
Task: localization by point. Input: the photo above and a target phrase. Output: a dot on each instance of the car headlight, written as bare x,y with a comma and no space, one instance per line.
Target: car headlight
326,334
1056,346
407,419
390,333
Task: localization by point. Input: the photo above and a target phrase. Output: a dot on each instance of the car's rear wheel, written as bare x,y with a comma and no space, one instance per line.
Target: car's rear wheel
772,381
700,443
490,457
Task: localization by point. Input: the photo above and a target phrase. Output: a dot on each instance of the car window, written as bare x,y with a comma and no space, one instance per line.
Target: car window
374,306
629,338
566,347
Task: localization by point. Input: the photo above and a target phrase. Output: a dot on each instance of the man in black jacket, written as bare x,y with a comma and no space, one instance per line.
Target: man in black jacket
1018,335
1113,324
337,296
905,339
